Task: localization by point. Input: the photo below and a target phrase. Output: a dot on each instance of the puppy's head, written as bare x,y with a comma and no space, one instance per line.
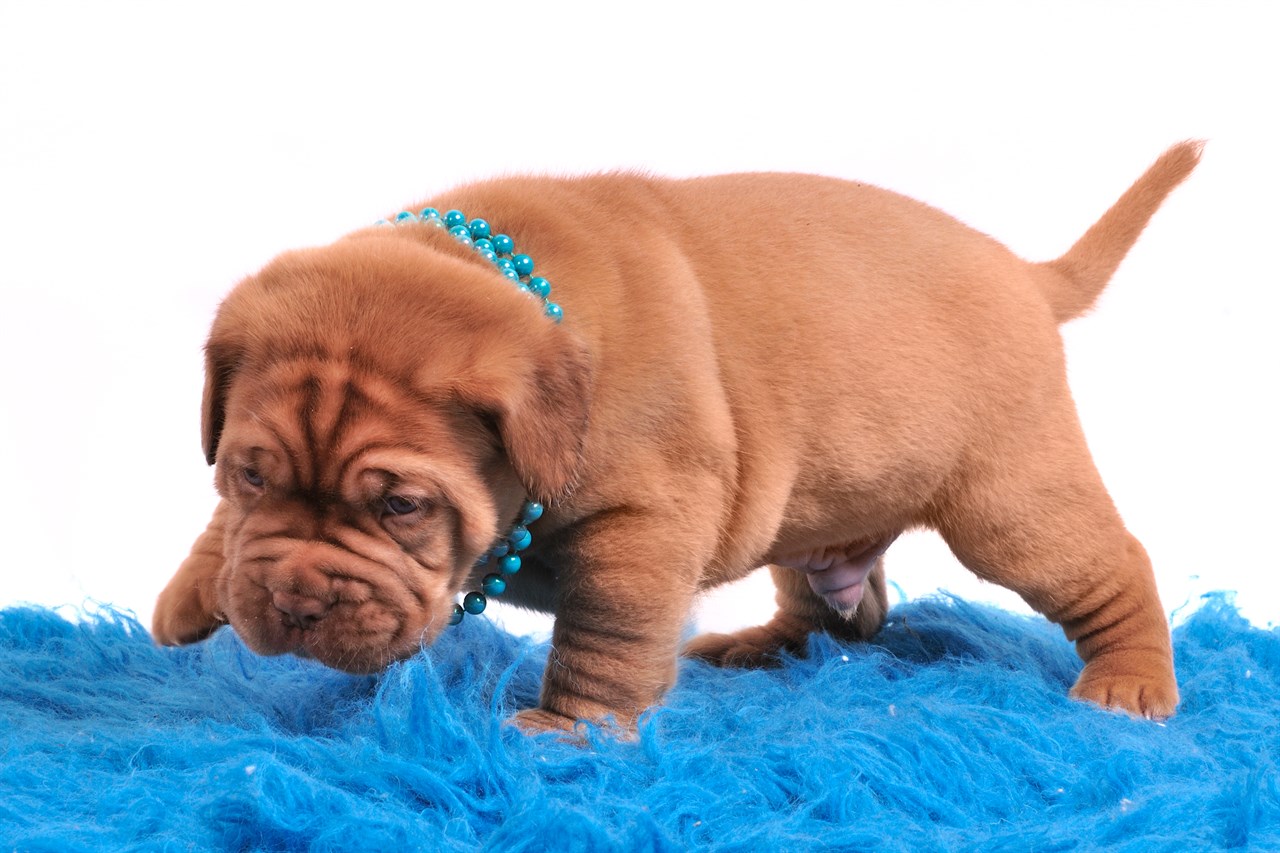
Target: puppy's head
377,411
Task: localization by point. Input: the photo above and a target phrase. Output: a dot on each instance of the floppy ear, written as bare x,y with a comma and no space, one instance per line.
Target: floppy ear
541,415
220,362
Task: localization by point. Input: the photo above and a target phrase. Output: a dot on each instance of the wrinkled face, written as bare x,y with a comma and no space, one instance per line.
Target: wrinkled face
358,510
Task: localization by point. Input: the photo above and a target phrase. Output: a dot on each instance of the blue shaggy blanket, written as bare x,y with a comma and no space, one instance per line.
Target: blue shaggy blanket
952,731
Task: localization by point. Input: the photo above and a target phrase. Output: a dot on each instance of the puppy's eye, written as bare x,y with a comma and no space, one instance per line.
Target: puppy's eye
399,505
253,478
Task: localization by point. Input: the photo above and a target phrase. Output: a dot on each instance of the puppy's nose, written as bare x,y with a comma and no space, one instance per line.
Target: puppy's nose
300,611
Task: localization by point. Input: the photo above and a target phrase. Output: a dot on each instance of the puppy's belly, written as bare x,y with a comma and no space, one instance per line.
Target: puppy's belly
838,574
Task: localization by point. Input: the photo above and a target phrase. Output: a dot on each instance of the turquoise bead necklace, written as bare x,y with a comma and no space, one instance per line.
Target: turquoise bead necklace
499,250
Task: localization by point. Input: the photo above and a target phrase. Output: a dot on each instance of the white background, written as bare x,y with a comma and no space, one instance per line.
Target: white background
153,154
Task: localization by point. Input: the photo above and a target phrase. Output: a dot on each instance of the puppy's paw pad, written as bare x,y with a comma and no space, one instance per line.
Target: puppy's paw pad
1153,698
751,647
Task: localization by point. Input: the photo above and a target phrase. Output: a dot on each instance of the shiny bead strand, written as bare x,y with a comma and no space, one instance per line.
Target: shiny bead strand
507,555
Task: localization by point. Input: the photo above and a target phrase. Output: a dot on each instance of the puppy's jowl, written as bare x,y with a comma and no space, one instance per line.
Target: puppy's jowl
694,378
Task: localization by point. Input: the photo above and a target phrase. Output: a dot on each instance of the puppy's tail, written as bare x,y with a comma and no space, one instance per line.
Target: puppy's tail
1074,281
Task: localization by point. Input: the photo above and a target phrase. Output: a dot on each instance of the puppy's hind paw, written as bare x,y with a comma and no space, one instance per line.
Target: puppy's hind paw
757,647
1140,696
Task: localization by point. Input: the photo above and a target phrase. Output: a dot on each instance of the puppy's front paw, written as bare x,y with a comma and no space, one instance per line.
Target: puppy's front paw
1155,698
537,720
183,616
751,647
188,609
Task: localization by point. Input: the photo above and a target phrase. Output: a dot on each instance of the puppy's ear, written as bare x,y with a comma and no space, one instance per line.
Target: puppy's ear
220,361
540,411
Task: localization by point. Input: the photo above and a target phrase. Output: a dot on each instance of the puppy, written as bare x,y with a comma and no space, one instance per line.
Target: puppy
760,369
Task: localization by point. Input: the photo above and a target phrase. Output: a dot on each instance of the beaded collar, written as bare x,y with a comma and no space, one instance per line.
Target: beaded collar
499,250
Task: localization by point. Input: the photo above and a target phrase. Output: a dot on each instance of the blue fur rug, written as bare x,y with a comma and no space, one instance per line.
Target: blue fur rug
951,732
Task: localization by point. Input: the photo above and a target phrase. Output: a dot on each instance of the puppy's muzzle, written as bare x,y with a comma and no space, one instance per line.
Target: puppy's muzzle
300,611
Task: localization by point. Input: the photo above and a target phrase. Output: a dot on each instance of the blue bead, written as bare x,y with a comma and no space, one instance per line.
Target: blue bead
519,538
479,229
509,564
502,244
474,602
435,222
460,231
554,311
531,513
456,616
430,213
505,264
406,216
524,264
513,275
493,585
382,222
487,254
501,549
540,286
483,244
455,217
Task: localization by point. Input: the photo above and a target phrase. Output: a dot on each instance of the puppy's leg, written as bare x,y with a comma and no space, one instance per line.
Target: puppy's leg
1035,517
801,611
622,599
188,610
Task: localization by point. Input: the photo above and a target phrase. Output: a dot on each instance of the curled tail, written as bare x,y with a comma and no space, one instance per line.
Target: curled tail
1074,281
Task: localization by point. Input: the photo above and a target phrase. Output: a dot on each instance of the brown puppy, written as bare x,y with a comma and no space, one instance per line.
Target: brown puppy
752,369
